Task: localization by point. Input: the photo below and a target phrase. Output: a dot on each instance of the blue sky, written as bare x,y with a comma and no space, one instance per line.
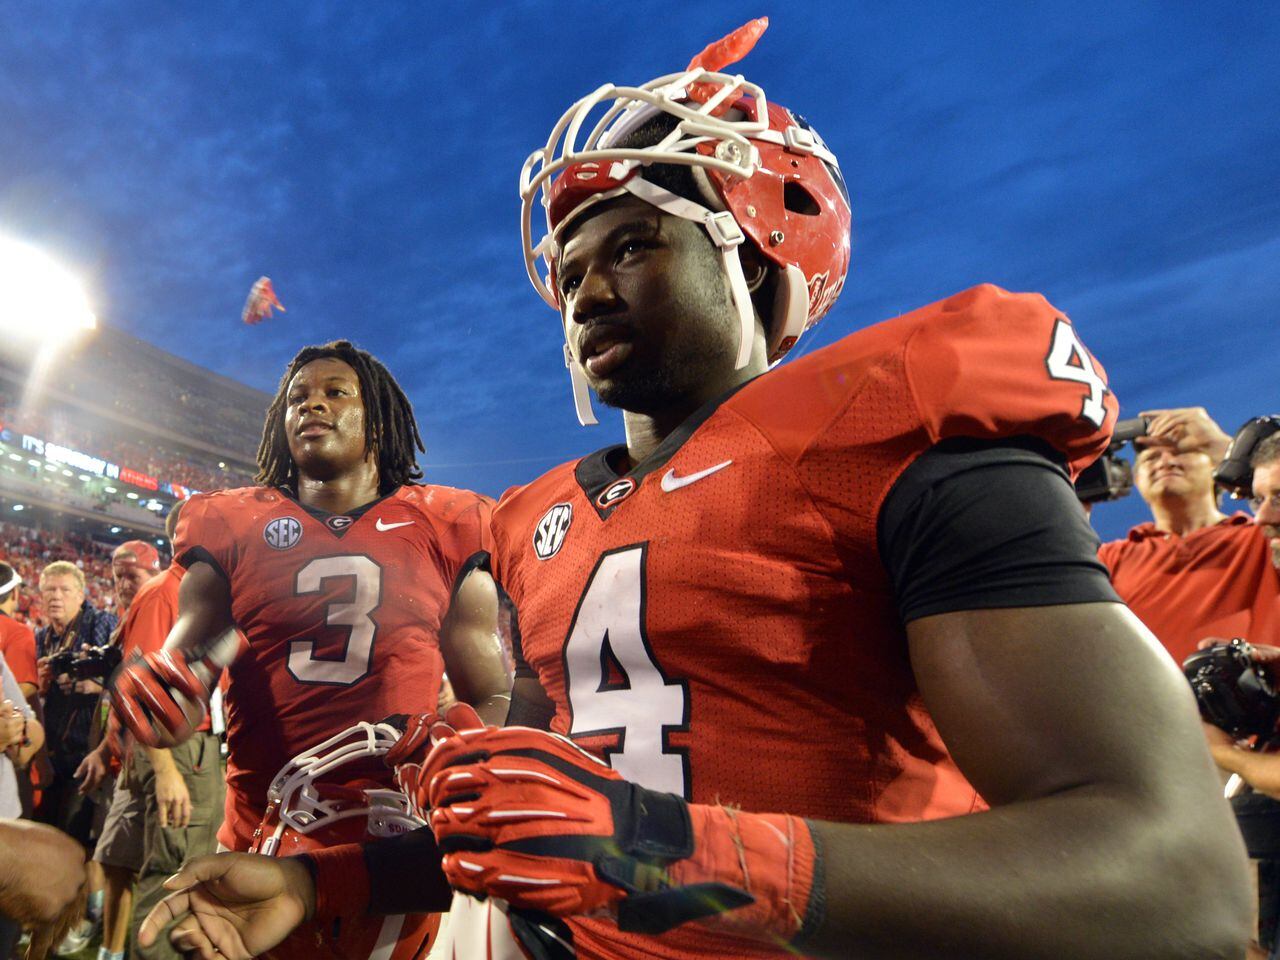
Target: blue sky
1123,159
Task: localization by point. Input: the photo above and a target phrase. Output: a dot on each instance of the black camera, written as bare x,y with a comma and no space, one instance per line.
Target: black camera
1235,693
1110,477
1235,473
88,663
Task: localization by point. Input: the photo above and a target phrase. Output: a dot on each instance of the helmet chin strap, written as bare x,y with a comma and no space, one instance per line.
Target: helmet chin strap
725,233
581,392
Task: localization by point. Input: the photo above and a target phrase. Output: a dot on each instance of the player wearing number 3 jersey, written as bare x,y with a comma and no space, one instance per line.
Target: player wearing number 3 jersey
340,572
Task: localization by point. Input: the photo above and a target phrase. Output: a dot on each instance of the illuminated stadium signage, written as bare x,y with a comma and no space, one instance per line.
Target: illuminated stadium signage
143,480
55,453
87,463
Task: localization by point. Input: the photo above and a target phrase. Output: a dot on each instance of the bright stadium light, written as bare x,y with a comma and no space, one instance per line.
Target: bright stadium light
38,297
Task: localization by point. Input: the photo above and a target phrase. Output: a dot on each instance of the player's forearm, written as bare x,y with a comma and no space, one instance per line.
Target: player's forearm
205,626
1081,874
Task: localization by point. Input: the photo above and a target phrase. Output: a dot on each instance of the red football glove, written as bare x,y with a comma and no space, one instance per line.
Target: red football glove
528,816
420,732
161,697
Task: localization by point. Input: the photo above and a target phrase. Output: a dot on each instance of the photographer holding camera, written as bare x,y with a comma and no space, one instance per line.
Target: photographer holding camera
1236,682
1193,572
76,632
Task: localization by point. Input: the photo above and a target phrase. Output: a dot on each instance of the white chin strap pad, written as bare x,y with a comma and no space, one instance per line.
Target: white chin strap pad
581,392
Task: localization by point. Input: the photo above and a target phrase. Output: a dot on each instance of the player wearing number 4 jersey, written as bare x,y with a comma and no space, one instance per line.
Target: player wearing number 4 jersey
340,572
829,664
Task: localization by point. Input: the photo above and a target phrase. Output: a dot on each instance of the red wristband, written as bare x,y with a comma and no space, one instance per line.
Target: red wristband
342,881
771,856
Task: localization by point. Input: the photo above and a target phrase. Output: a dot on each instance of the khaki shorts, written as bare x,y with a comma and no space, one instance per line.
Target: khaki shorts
121,842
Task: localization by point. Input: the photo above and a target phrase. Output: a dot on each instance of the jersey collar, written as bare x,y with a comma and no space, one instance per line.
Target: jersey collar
596,474
333,522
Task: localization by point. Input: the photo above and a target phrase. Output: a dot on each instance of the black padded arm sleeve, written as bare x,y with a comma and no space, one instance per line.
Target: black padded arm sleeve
972,525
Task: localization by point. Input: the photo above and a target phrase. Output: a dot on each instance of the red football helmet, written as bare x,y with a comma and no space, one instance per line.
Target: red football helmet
764,174
305,812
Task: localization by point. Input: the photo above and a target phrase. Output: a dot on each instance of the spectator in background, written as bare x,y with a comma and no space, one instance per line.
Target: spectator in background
20,737
70,706
172,799
18,649
1266,492
120,847
133,563
17,640
1193,572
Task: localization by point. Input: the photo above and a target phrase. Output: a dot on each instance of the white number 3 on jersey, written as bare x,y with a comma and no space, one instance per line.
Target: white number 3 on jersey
1069,360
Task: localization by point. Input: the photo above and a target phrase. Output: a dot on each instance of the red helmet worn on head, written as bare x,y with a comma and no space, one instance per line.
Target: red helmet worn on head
312,805
763,175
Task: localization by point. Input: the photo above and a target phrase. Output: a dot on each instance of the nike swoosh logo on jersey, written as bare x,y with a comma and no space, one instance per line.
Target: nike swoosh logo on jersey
391,526
671,482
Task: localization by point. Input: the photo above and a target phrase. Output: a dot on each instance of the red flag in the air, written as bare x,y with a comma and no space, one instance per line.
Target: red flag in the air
262,298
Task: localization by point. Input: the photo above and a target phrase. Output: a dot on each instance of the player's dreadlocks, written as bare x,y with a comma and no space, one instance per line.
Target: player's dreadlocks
389,425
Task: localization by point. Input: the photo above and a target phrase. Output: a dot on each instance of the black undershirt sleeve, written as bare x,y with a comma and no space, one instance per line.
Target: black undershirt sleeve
979,525
405,874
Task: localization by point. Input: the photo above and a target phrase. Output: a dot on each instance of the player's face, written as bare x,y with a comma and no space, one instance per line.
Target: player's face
1266,505
61,595
1163,472
324,419
129,575
650,317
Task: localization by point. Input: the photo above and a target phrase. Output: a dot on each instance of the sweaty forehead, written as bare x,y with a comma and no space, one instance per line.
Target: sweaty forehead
323,369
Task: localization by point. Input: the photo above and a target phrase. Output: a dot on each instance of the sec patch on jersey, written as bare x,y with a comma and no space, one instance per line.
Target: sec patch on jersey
549,534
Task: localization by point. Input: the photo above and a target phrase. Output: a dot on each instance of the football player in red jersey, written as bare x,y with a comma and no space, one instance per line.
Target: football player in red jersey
354,585
829,664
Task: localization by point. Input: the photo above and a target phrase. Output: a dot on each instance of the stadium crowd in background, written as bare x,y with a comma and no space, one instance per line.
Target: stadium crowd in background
172,398
119,444
31,549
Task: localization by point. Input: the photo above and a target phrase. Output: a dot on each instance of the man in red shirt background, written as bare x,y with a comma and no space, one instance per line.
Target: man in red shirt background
1193,572
17,640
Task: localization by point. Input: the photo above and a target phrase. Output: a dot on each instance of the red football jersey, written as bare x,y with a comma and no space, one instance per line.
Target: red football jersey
342,615
718,624
1214,582
18,644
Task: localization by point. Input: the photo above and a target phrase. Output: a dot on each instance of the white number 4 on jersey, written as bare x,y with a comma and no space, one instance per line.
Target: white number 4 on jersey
1069,360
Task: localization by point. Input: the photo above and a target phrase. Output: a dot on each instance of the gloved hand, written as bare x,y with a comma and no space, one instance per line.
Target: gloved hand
161,697
528,816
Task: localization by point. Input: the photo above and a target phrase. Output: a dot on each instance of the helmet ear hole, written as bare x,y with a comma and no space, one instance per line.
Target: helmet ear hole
796,199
